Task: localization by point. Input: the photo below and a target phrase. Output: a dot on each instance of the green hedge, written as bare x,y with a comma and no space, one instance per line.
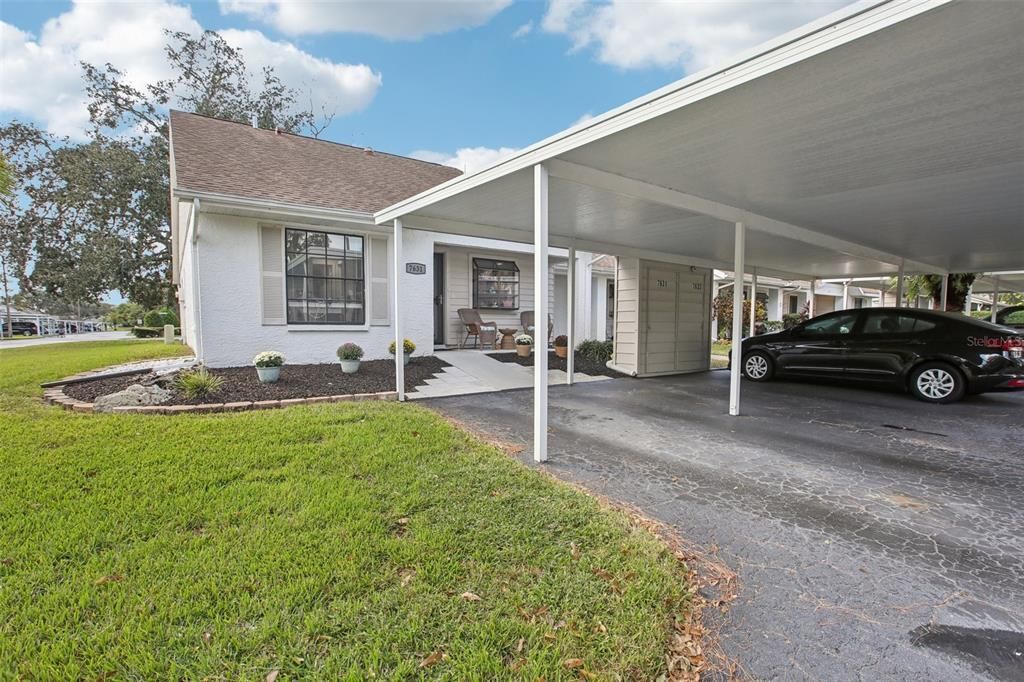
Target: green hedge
152,332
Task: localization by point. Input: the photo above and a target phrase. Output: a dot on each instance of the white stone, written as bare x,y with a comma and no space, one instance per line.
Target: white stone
134,396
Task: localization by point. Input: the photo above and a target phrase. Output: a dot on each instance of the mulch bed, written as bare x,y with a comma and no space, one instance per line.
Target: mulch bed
297,381
583,365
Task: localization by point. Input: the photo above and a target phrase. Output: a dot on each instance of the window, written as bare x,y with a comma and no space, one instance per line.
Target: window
833,324
793,303
495,284
884,322
326,280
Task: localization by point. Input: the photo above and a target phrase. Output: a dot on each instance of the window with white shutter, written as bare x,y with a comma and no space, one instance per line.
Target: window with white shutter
272,274
380,301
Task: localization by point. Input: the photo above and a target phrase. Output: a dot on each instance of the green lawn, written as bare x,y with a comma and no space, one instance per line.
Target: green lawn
721,348
349,541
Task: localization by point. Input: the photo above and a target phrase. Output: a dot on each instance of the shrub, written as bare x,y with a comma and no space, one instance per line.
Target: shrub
773,326
351,351
151,332
408,347
159,317
524,340
268,358
790,320
198,383
595,351
561,341
1015,318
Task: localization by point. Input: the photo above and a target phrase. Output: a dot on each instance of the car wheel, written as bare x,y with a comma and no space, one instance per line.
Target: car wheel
937,382
757,366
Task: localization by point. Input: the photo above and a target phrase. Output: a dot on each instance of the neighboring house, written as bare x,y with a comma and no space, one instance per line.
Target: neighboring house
275,248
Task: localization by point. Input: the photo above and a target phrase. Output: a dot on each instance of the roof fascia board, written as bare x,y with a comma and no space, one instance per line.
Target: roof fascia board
277,208
645,191
834,30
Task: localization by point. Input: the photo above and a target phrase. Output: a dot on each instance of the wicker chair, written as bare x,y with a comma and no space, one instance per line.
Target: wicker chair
484,332
526,320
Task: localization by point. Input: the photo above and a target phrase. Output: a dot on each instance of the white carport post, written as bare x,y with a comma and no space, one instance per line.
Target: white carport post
737,320
570,279
846,295
810,299
899,287
399,354
753,299
995,299
540,314
945,293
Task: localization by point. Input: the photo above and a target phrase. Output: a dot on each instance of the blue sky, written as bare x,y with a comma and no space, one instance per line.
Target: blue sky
426,78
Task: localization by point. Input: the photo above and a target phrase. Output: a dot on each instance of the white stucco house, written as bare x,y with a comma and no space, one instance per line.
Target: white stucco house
275,248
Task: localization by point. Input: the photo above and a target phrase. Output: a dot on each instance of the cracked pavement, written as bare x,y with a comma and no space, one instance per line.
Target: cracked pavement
874,536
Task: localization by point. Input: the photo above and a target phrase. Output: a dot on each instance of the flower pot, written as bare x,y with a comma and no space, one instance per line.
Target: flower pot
524,350
561,351
349,366
268,375
405,358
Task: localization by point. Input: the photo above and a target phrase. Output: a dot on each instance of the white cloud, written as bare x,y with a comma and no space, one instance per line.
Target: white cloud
585,118
395,19
42,77
672,34
466,159
523,30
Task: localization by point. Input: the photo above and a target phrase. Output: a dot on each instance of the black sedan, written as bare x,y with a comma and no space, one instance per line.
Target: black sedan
939,357
1011,317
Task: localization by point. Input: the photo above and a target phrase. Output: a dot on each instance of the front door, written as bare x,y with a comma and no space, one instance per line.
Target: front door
439,316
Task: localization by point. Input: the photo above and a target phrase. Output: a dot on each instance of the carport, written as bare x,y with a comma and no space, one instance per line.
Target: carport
883,139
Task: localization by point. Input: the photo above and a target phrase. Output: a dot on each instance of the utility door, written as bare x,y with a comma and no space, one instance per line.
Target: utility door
675,319
661,294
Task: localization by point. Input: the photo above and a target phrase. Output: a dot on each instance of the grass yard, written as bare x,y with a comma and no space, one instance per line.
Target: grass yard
721,348
351,541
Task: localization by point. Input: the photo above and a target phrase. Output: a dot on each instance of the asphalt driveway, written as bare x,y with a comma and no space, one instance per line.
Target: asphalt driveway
875,537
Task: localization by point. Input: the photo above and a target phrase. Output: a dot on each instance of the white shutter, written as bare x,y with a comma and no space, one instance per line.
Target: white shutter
380,301
272,271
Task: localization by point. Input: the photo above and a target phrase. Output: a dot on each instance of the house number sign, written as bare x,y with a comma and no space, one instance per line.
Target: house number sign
416,268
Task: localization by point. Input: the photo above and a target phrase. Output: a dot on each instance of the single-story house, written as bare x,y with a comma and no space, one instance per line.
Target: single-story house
275,248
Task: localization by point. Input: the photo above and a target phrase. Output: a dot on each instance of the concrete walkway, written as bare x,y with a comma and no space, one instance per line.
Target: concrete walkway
472,371
69,338
875,537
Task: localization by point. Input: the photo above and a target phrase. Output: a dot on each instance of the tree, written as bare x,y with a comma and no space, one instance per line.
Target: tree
127,314
959,285
6,192
95,216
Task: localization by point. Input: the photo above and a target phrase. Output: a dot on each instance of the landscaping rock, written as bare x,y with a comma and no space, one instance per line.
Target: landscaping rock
135,395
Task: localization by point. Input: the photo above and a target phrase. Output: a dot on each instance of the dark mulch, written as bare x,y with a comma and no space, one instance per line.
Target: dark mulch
297,381
583,365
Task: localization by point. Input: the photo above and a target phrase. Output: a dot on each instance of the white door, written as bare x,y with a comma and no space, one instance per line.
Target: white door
692,321
675,319
662,286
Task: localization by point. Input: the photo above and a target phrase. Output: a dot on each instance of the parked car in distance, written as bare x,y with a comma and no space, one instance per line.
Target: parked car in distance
939,357
1011,317
23,328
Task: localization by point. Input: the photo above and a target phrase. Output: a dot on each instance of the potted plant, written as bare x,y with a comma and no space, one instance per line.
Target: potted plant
268,366
524,345
561,345
408,347
349,354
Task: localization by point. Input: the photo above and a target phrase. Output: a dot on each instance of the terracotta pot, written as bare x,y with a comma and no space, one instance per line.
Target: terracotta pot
524,350
561,351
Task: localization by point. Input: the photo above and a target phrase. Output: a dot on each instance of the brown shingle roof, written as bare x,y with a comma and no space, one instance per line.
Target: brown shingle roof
213,155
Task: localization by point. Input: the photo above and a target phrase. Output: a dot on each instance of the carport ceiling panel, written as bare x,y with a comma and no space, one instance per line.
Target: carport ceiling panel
904,139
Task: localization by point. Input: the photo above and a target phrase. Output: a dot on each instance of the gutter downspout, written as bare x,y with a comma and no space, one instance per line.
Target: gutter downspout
621,370
196,279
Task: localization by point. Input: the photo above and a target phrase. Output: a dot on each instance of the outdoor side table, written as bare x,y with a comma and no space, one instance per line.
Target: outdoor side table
508,338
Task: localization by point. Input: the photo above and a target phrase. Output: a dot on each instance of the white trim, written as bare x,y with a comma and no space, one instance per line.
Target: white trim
397,320
846,25
272,207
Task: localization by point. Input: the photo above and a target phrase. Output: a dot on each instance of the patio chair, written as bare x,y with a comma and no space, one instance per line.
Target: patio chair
526,319
484,332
